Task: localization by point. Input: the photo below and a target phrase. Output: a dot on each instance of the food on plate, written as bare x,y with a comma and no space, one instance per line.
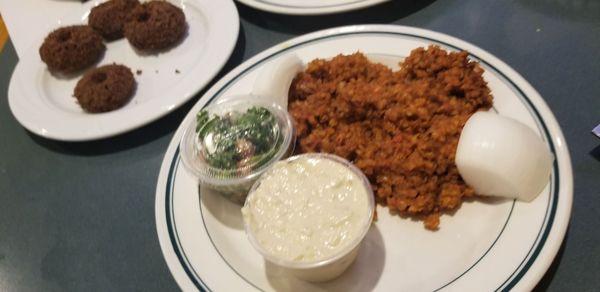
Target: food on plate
155,25
109,17
499,156
105,88
231,143
400,128
238,141
70,49
309,214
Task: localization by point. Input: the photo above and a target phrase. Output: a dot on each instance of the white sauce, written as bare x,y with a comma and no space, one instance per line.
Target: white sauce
307,209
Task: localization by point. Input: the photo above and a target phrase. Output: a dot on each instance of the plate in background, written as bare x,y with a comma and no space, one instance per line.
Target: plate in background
310,7
44,104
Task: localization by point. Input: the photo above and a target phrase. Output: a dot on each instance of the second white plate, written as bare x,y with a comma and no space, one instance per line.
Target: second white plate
44,104
310,7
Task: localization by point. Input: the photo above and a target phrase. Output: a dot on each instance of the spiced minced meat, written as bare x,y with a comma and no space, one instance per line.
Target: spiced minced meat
105,88
155,25
400,128
109,17
71,49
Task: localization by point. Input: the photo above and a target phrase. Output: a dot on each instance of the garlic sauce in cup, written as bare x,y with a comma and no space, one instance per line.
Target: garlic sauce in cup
308,215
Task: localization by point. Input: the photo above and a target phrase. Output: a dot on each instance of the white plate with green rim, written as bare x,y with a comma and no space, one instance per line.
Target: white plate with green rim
44,104
310,7
482,247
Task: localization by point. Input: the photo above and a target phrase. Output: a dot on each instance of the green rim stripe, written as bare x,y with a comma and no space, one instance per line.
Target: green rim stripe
173,235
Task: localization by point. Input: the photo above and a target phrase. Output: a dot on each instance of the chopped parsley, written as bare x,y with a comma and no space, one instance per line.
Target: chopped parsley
238,141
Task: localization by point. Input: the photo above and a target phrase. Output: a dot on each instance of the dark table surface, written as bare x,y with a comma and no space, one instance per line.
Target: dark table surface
80,216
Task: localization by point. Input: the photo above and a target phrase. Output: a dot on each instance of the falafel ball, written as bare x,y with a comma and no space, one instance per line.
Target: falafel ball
109,17
155,25
105,88
71,48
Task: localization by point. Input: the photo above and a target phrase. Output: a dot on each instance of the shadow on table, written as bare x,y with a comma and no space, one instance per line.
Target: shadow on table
571,9
146,134
596,153
547,279
296,24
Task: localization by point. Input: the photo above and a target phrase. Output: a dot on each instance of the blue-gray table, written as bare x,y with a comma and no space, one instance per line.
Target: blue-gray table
80,216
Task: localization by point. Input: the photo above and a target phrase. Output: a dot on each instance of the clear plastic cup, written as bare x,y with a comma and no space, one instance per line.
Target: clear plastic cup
331,267
234,183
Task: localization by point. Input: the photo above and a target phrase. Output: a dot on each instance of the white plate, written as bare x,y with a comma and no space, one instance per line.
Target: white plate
310,7
482,247
44,104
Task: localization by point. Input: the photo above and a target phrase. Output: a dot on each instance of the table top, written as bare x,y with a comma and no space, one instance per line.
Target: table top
80,216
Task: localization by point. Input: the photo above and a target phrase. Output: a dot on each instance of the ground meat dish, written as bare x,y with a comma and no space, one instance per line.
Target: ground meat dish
400,128
109,17
71,49
155,25
105,88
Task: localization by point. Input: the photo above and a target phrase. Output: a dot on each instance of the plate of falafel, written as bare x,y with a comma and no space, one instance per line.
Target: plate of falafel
115,65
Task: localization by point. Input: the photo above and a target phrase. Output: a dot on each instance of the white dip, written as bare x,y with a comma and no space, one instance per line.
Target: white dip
307,209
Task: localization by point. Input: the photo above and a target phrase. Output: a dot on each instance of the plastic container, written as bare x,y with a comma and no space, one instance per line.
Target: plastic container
234,183
328,268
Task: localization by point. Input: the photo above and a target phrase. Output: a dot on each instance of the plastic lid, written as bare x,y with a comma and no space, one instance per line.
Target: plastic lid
236,139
